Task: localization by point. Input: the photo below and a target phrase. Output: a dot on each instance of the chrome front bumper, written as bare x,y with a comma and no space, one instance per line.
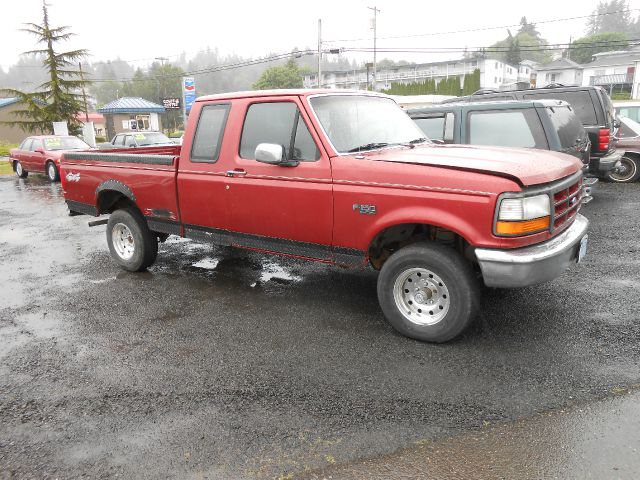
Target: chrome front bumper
535,264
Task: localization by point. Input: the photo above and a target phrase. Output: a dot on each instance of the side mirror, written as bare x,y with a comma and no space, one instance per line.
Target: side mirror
39,150
273,154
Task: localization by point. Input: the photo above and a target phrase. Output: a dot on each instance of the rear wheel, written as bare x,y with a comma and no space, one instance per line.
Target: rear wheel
132,245
52,172
21,172
628,172
428,292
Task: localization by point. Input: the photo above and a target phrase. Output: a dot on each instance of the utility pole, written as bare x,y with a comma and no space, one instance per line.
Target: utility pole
84,94
319,53
375,39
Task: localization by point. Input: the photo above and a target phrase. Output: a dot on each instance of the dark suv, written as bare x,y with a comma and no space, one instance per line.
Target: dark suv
592,106
544,124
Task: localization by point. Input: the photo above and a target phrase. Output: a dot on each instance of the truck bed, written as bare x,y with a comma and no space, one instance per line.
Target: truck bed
146,176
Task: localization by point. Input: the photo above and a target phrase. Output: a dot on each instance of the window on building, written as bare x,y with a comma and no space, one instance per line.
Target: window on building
279,123
496,64
209,133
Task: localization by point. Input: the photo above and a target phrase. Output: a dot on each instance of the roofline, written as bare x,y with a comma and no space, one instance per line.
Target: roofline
300,92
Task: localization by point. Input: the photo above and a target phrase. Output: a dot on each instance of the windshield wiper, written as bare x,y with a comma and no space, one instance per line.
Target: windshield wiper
417,140
368,146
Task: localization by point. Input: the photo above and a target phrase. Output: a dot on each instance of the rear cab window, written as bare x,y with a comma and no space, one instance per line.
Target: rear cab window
209,133
277,123
506,128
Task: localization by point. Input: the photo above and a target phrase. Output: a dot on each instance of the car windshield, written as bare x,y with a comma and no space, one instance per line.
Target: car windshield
153,138
64,143
356,123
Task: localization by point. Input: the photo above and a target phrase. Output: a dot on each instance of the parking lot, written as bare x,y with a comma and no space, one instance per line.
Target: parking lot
220,363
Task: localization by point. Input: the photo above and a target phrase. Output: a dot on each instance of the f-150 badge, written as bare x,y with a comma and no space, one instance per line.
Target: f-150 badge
365,209
72,177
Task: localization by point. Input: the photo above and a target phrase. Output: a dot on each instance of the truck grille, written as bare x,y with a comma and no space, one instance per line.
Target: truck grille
567,202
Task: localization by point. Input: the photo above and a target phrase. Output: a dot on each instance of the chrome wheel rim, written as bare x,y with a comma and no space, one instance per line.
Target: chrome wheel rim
18,168
52,171
626,171
123,241
421,296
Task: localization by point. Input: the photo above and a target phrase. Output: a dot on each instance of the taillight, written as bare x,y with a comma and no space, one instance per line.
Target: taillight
603,139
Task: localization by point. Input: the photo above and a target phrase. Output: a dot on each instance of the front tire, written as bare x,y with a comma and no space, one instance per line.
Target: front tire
629,171
20,172
52,172
428,292
132,245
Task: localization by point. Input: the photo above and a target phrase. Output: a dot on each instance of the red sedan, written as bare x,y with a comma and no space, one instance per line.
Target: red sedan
41,154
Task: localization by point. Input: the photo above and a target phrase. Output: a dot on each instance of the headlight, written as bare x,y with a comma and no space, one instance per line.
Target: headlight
523,216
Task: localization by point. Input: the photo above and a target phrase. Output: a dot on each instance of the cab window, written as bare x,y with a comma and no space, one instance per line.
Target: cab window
209,133
279,123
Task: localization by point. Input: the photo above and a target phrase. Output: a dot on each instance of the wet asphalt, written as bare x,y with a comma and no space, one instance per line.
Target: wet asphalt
228,364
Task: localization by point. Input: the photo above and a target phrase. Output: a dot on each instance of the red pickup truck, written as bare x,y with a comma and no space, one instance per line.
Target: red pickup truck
344,178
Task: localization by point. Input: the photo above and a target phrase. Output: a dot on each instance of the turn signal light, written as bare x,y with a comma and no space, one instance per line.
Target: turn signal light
524,227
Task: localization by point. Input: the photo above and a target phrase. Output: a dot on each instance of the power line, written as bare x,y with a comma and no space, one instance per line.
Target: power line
212,69
482,29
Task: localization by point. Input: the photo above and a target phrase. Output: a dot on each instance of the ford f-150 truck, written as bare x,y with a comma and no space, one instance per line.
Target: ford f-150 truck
344,178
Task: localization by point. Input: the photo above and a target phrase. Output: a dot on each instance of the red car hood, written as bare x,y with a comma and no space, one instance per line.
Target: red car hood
527,166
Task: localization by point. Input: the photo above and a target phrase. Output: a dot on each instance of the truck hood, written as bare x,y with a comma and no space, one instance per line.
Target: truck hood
526,166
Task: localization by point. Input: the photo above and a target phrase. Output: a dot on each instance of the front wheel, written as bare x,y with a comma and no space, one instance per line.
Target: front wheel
132,245
428,292
20,172
52,172
628,172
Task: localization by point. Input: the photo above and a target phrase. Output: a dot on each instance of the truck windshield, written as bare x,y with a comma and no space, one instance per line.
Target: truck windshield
356,123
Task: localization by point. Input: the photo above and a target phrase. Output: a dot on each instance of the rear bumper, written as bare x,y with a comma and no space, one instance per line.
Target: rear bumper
606,164
534,264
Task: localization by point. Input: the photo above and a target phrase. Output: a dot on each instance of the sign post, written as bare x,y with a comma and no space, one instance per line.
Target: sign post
188,96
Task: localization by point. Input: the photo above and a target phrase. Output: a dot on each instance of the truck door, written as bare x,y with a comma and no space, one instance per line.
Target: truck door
286,209
202,181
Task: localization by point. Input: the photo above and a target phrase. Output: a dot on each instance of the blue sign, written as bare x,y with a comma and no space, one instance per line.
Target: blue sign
189,98
188,92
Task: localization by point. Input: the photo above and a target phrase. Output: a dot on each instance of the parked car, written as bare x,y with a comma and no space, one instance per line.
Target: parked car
41,154
345,178
628,109
591,104
136,139
544,124
629,140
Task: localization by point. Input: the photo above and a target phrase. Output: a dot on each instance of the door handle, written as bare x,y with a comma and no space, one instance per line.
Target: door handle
238,172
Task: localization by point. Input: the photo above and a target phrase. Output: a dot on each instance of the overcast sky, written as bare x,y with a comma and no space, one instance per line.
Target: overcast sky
141,30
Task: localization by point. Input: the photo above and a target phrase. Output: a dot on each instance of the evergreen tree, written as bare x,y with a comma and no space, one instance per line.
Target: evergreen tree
613,16
528,28
58,99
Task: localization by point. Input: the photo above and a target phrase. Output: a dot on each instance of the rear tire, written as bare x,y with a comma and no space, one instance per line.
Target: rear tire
20,172
52,172
428,292
132,245
629,171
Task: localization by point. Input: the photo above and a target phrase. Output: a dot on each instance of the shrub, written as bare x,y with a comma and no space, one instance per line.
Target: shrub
176,134
101,139
5,147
